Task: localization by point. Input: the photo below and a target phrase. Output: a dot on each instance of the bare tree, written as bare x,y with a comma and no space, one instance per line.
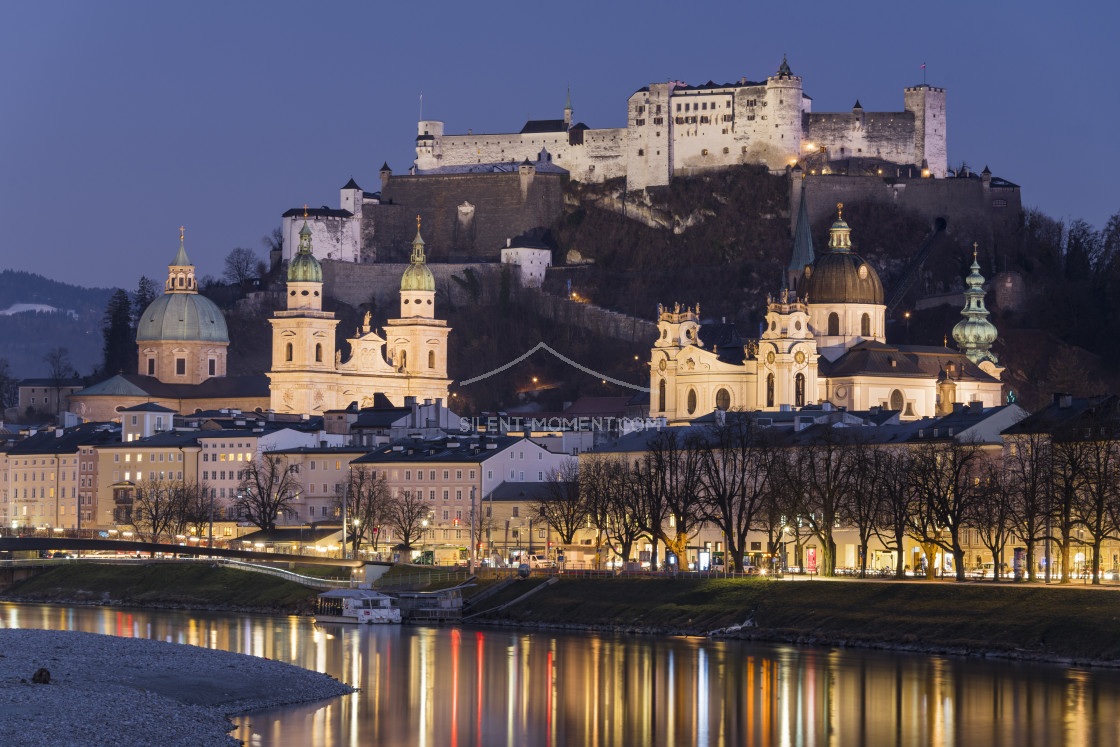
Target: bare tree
610,492
992,513
267,489
676,464
892,481
561,506
197,506
155,506
863,507
59,371
1093,505
368,502
735,461
273,241
652,508
407,513
242,265
1027,469
945,475
1068,474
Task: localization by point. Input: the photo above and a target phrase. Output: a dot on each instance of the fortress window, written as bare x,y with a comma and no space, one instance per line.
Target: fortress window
704,106
657,121
704,152
678,107
834,324
658,109
999,203
726,150
641,151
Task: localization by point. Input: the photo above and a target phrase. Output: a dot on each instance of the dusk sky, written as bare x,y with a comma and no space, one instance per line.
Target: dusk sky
122,121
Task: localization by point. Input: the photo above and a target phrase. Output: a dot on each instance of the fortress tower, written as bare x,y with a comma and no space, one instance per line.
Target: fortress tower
928,106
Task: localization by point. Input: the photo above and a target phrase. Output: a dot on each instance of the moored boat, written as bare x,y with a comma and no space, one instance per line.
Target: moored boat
355,606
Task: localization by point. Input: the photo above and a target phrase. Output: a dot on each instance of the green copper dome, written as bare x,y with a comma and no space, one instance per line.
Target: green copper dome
188,317
974,334
418,277
304,268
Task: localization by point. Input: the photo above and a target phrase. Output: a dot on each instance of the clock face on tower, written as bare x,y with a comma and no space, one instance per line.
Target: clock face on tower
799,357
770,357
661,366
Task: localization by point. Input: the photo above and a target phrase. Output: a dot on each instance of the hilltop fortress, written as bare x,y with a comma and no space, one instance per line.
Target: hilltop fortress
674,129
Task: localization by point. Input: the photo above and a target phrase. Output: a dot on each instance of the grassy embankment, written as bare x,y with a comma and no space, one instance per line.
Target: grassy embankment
1045,622
194,585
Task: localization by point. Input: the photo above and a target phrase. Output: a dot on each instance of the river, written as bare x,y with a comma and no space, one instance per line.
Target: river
461,687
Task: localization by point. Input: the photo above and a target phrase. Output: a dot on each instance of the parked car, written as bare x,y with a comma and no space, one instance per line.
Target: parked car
538,561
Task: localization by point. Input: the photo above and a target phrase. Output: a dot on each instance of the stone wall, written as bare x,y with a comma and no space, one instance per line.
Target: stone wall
587,316
464,216
356,283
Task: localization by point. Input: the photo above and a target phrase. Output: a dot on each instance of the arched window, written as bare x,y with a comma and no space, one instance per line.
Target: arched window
769,390
404,358
799,390
865,325
691,401
431,359
723,400
896,400
288,352
661,396
834,324
180,281
318,352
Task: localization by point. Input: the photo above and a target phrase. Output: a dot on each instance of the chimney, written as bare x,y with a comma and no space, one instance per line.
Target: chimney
975,407
1062,400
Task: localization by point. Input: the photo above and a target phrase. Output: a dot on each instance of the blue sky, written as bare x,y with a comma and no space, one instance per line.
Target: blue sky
121,121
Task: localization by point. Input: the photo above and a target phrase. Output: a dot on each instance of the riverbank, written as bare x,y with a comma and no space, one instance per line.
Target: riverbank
189,586
1071,625
126,691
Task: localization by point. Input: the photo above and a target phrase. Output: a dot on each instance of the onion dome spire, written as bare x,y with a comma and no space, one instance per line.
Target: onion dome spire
975,334
418,277
304,268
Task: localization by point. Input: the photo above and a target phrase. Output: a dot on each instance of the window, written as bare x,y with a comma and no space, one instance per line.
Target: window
799,390
834,324
897,402
213,367
180,366
691,401
318,352
723,399
515,512
446,494
472,475
769,390
661,396
446,473
288,352
865,325
151,368
540,476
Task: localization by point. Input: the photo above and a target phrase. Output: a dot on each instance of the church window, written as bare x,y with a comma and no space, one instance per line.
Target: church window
180,366
213,367
865,325
834,324
896,400
799,390
304,293
769,390
661,396
180,281
318,352
723,399
151,368
404,359
288,352
691,401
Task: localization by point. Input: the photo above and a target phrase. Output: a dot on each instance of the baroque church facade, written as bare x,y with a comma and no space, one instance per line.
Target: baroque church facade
823,341
409,359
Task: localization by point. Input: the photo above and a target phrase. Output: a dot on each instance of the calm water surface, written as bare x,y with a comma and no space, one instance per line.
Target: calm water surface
451,686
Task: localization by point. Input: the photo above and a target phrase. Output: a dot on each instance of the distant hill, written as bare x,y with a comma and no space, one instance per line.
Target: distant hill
57,315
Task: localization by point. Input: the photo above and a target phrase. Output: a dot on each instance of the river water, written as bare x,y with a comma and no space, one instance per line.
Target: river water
459,687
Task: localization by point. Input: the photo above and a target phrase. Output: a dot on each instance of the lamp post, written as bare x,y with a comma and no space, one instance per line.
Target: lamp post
423,536
474,544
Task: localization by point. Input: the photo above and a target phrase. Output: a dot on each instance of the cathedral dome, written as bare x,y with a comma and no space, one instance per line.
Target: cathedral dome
418,277
182,317
840,275
304,268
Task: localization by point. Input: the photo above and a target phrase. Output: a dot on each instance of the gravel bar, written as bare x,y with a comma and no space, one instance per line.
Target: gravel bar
130,691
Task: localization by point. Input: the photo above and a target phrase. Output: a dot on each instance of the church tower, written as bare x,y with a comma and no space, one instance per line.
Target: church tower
975,334
787,355
303,349
417,341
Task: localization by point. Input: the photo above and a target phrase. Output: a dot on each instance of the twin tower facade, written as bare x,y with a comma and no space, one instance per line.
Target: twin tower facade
675,129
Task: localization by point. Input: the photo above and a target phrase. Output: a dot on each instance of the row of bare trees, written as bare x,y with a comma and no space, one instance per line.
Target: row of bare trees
166,509
1038,491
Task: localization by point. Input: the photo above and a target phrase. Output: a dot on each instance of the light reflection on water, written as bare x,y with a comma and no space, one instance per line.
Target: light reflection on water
463,687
